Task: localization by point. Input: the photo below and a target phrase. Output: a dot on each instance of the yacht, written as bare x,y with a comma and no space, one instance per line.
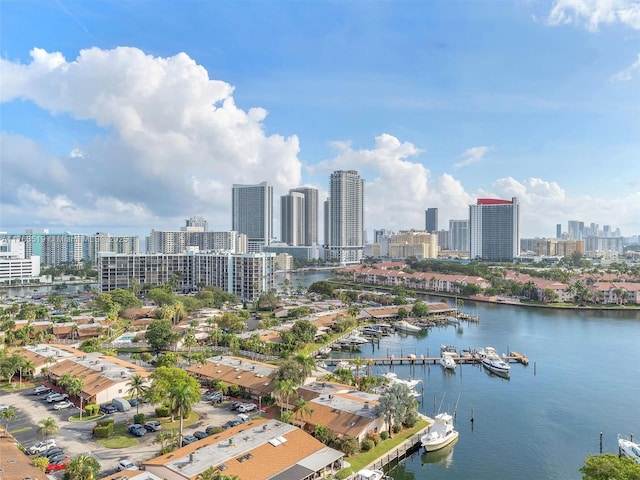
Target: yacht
447,360
440,434
392,378
629,449
494,363
367,474
405,327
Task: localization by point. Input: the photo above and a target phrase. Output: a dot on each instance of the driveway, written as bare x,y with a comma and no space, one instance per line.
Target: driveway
76,437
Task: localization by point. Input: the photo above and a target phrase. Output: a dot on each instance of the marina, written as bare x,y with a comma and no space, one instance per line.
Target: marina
413,359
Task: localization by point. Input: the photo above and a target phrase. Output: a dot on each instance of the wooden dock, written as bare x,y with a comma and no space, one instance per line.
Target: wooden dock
513,357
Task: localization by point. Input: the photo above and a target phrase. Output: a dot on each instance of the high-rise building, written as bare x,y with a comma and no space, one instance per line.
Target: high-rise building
310,214
195,224
459,235
494,227
252,213
431,220
558,230
345,216
576,230
292,216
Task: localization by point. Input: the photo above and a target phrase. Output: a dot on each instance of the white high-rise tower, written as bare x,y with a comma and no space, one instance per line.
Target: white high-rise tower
252,214
345,216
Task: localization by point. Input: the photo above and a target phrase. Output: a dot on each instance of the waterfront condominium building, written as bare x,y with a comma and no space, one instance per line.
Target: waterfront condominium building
459,235
494,227
292,218
103,242
245,275
162,241
310,236
345,217
431,220
252,213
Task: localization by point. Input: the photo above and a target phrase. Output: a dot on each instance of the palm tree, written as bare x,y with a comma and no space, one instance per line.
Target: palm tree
137,388
285,388
302,410
212,473
306,362
83,467
190,341
8,415
168,440
181,400
48,426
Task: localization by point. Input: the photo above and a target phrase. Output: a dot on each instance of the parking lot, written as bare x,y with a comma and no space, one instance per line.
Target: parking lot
76,437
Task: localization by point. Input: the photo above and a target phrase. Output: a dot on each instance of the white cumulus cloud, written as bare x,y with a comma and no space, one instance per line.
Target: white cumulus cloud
628,73
593,13
472,155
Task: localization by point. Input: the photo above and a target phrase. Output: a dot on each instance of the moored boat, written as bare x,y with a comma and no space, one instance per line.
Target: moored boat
440,434
494,363
368,474
405,327
412,383
629,448
447,360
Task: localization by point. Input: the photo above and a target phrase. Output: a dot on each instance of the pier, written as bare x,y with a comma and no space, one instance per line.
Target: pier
513,357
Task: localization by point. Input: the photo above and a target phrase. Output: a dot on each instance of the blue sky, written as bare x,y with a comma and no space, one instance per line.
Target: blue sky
124,116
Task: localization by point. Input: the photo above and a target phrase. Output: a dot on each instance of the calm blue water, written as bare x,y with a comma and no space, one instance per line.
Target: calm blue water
544,420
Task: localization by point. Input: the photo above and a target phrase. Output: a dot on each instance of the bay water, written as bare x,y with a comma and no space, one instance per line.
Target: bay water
583,379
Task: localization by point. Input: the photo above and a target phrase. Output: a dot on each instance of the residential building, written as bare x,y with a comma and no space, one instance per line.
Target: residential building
104,242
15,464
245,275
292,219
15,267
345,217
414,244
195,224
305,253
431,220
206,241
310,236
494,227
259,449
252,213
52,248
459,235
576,230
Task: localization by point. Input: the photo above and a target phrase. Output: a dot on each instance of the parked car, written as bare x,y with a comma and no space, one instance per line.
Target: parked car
107,408
132,401
50,451
235,404
43,393
57,398
153,426
58,457
247,407
210,430
188,440
4,407
137,430
41,447
126,465
53,467
40,389
200,434
63,404
231,423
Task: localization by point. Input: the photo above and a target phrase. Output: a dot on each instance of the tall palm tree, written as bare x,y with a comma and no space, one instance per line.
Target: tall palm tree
182,397
168,440
8,415
190,341
303,409
285,388
48,426
306,363
137,388
83,467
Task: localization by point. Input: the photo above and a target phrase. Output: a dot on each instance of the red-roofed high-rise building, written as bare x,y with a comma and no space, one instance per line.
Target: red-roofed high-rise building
494,227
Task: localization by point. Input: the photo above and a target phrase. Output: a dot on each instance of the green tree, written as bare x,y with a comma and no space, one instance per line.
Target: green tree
83,467
285,389
396,402
8,415
303,409
182,397
40,463
610,467
159,335
48,426
419,309
137,388
304,331
168,440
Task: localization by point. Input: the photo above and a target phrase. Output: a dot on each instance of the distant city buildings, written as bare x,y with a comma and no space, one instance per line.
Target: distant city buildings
292,218
252,214
459,237
344,215
15,266
310,216
431,220
494,227
162,241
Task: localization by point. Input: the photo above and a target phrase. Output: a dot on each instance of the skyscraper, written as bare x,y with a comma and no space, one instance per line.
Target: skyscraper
459,235
310,214
292,218
494,229
345,216
252,213
431,220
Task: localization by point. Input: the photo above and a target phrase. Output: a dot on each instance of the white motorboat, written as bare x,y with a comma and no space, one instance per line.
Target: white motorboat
367,474
447,360
412,383
448,348
440,434
494,363
628,448
405,327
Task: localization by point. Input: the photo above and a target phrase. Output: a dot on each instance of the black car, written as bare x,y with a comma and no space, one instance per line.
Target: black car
235,405
188,439
50,451
210,430
44,392
200,435
57,458
108,409
231,423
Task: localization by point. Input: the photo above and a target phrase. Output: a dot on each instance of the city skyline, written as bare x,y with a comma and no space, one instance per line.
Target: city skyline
434,105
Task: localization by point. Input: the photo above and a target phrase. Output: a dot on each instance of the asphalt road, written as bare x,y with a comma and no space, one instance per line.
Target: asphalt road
76,437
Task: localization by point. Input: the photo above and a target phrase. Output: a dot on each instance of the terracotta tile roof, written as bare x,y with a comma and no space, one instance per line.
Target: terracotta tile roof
15,464
234,373
266,459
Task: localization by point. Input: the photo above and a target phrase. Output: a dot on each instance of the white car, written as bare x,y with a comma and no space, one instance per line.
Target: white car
4,407
41,446
126,465
58,397
63,404
247,407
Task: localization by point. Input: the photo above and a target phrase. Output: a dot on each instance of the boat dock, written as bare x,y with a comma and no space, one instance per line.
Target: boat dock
513,357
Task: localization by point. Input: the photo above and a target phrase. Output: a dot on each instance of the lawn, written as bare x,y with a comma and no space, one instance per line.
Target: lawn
362,459
187,422
85,417
13,386
120,439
